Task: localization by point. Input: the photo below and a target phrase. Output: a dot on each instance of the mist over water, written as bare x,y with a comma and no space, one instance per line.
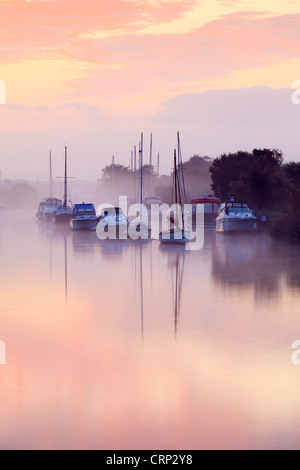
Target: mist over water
135,345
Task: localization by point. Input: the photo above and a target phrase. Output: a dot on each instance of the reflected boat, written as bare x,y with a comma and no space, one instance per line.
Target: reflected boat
84,217
235,216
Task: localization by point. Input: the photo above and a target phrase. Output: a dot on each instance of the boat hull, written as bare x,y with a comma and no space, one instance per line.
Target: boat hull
63,215
240,225
48,216
173,237
62,218
83,224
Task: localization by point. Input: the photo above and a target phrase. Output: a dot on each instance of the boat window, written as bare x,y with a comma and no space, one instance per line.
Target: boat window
235,210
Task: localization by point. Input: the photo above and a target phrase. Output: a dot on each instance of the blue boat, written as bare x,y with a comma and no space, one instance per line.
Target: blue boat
84,217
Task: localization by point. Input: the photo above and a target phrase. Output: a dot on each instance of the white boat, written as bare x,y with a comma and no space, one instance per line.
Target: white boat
84,217
235,216
114,217
64,212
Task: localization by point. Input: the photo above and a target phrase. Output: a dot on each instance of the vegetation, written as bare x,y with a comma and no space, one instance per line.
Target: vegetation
260,177
19,195
266,183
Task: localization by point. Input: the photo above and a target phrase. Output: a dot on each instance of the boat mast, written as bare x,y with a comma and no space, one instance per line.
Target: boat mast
141,162
66,188
176,187
51,178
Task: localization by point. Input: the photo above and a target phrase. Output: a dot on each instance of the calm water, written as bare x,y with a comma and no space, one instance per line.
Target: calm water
125,345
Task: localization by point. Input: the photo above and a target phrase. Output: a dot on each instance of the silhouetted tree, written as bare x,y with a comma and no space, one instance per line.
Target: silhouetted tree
292,171
256,177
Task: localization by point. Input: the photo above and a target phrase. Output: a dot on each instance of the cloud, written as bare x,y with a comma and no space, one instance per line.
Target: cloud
218,49
35,29
220,121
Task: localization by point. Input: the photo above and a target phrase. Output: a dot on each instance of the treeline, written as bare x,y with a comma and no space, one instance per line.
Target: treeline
261,178
269,185
118,179
18,195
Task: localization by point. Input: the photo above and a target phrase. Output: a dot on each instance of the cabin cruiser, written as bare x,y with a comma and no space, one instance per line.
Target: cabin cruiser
235,216
204,212
47,209
114,217
84,217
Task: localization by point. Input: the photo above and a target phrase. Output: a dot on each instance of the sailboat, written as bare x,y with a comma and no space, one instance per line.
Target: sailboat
138,228
48,207
177,234
64,212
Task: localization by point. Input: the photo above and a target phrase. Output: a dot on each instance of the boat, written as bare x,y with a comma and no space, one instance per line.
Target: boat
115,218
40,212
177,234
64,212
138,228
206,205
235,216
84,217
50,207
47,208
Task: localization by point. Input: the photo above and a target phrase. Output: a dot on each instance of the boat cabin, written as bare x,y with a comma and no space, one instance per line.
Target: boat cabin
52,202
83,209
234,207
211,204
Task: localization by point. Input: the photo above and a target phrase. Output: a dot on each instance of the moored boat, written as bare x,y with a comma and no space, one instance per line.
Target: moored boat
235,216
64,212
84,217
177,234
204,212
50,207
114,219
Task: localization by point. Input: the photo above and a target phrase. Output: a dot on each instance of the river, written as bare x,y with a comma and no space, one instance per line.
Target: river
135,345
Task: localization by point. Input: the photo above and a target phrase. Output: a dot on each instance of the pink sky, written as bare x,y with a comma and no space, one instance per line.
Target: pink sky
95,74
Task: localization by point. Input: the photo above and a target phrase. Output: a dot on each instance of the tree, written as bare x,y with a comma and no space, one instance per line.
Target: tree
256,177
196,175
226,169
292,171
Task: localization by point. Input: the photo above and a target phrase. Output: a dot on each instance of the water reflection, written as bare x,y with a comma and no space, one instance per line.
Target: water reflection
256,261
157,347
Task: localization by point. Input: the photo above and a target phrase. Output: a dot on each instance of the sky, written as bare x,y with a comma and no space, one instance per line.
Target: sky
95,74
